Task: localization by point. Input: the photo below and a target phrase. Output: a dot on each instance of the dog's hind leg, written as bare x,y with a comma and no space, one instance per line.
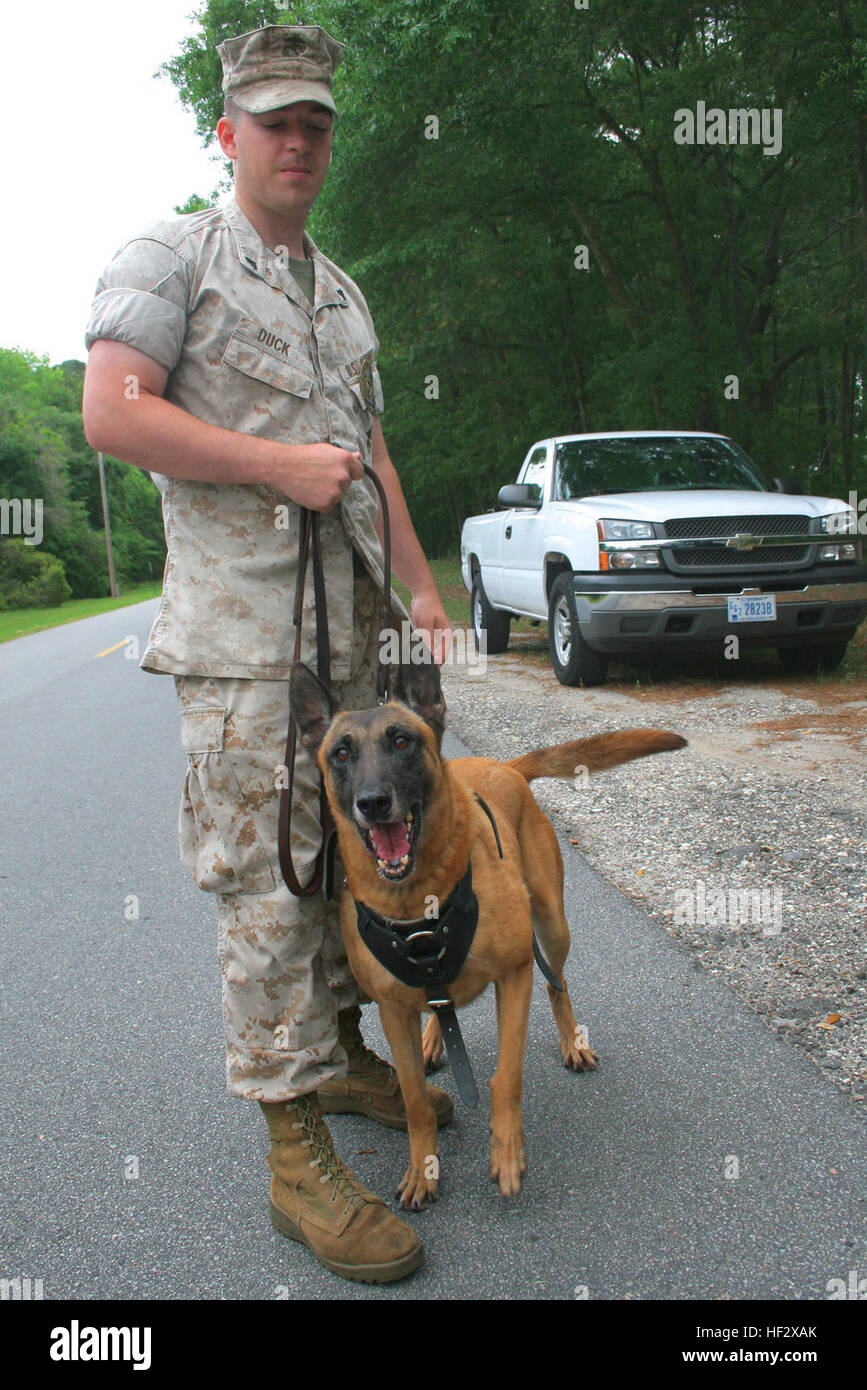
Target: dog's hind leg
508,1159
543,873
432,1042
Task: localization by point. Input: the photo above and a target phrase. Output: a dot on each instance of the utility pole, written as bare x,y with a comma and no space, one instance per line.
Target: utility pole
105,516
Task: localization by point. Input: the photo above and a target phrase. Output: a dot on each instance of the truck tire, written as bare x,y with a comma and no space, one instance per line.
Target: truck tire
804,660
574,662
492,621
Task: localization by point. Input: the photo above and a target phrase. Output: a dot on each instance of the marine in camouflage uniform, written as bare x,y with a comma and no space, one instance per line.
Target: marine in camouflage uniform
253,342
247,350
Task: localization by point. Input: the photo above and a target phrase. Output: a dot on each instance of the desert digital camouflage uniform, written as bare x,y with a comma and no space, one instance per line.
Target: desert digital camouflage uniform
246,350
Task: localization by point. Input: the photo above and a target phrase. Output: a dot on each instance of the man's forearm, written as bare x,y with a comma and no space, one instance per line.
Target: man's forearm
163,438
145,429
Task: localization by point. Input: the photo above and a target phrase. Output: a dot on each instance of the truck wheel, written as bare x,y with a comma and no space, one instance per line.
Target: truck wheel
491,621
803,660
574,662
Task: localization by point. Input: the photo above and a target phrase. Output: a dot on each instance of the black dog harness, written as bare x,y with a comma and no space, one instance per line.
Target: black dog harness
429,953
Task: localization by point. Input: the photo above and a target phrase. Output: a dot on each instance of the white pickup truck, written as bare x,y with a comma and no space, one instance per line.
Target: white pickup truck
636,543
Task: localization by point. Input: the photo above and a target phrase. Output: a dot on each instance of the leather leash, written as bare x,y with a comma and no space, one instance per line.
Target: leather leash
309,537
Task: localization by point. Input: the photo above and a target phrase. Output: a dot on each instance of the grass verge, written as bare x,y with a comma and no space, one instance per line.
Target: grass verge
20,622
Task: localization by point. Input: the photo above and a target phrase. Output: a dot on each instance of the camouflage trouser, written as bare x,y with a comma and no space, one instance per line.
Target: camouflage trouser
284,967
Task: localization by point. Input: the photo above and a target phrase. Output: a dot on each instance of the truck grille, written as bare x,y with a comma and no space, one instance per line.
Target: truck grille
716,556
703,559
685,527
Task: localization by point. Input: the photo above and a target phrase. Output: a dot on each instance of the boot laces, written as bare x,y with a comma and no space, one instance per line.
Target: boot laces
319,1142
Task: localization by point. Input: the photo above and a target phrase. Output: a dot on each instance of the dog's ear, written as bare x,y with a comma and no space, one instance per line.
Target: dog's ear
312,705
417,684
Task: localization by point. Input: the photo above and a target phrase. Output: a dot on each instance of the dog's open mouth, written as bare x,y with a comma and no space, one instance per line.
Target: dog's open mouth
392,844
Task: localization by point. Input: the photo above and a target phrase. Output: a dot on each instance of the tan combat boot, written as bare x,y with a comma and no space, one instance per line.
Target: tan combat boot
371,1087
316,1199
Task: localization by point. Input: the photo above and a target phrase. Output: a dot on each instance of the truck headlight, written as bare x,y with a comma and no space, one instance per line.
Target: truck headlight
837,523
610,530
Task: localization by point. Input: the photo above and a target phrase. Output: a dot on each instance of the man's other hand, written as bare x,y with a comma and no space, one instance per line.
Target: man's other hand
429,616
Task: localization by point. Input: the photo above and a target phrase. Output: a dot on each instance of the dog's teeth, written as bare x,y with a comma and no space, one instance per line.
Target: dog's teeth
404,860
410,818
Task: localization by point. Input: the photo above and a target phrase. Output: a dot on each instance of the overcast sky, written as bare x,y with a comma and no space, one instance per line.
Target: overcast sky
96,148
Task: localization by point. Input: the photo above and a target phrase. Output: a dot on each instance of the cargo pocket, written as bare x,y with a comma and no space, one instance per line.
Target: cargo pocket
219,841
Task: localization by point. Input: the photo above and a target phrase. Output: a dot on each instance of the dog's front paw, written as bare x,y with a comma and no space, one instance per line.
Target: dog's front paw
508,1162
417,1188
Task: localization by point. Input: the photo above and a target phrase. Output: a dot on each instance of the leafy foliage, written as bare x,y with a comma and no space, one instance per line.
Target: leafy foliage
556,130
44,454
480,143
30,578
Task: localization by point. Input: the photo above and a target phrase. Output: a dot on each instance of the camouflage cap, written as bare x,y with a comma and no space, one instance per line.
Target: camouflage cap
278,65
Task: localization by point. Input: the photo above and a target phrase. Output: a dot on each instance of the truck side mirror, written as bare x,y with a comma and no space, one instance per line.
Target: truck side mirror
519,495
788,484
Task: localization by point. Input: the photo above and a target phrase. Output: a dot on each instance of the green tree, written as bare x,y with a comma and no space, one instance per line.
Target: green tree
480,142
44,455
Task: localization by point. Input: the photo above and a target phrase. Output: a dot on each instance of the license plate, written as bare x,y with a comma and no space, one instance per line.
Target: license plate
751,610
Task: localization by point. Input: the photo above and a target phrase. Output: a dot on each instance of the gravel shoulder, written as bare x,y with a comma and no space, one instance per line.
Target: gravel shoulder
748,846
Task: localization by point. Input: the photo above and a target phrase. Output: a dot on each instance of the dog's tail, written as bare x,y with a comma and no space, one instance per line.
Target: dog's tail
594,754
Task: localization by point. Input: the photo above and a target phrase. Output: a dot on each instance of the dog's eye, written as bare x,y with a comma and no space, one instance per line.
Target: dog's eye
341,753
401,741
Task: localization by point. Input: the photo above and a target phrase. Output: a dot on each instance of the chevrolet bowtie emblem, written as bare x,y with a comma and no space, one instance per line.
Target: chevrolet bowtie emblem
743,541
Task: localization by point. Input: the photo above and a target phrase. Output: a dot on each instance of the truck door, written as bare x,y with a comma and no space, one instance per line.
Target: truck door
521,541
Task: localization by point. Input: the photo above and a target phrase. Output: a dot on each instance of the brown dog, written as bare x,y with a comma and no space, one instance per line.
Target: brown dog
407,824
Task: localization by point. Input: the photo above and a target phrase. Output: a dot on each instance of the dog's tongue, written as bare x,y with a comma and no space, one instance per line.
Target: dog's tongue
391,840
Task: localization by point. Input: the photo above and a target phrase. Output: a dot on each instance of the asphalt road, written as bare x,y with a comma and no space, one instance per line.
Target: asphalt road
113,1062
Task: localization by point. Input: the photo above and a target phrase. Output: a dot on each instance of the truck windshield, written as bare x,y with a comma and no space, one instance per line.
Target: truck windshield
589,467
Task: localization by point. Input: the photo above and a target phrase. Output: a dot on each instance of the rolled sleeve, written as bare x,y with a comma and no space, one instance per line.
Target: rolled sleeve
142,300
